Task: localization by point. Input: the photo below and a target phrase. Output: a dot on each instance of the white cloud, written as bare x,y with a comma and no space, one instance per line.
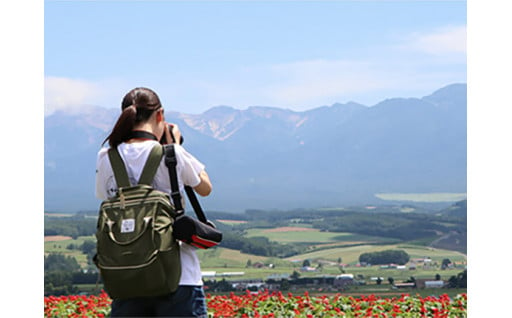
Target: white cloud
447,40
316,81
302,85
66,93
61,93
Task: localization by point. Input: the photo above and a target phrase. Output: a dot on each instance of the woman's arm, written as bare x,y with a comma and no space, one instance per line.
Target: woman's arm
204,188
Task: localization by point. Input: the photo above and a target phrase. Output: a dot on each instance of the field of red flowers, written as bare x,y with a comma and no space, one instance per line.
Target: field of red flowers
277,304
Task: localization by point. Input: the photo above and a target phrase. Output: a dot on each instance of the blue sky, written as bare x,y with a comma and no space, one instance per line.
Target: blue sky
290,54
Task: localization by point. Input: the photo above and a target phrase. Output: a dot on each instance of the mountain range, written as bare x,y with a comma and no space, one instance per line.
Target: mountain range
275,158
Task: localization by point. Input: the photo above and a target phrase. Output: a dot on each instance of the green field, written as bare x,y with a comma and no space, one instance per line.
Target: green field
324,252
228,260
350,254
314,236
61,247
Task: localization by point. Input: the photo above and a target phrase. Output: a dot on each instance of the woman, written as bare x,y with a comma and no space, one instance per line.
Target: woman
139,127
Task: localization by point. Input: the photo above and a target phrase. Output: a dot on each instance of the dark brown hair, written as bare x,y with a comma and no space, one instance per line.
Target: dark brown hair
137,106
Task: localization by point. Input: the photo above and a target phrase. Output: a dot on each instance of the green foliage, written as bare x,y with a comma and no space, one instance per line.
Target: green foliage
260,246
459,281
386,222
58,274
445,263
73,226
409,226
385,257
59,262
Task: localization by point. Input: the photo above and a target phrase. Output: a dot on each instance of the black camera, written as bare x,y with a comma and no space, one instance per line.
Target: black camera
164,140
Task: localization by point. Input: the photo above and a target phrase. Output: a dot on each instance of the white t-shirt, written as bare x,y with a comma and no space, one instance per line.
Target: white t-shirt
135,155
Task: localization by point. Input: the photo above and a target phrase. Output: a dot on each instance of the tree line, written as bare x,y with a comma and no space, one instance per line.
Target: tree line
74,226
399,257
62,273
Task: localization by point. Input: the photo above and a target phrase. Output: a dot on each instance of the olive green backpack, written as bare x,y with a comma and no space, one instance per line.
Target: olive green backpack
137,254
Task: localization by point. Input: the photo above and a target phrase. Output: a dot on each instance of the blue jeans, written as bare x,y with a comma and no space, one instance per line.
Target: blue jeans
186,301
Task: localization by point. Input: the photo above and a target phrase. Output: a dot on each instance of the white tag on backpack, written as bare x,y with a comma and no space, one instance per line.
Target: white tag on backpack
128,226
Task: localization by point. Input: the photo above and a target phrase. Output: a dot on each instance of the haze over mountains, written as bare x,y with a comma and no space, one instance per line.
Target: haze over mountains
266,157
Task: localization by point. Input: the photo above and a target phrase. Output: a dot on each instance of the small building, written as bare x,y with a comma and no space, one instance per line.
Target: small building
343,280
434,284
208,274
430,283
308,269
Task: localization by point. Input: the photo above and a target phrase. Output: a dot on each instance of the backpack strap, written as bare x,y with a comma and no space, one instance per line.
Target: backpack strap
152,163
118,167
148,172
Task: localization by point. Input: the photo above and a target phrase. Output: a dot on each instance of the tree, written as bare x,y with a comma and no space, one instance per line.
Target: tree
306,263
88,246
459,281
462,278
58,271
438,277
391,280
445,263
385,257
295,275
59,262
284,285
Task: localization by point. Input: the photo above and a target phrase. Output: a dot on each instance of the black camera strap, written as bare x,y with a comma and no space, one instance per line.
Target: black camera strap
195,204
141,134
171,162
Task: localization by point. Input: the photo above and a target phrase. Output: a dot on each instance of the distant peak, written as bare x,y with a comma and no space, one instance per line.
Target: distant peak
221,109
448,93
451,89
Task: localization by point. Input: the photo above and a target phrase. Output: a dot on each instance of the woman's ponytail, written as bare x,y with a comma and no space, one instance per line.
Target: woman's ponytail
123,127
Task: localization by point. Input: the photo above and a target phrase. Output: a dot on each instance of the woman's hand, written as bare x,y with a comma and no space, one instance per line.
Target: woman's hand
173,135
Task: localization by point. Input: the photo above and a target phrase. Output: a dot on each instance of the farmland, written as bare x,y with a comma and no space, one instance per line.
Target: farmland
260,245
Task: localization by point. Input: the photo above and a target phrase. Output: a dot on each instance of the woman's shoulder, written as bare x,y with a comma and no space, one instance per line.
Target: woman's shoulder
103,152
182,153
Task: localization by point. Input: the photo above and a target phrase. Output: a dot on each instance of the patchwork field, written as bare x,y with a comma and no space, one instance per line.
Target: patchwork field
325,249
290,234
59,244
351,254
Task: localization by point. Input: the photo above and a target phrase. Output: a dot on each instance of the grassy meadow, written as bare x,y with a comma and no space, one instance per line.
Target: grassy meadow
60,244
327,248
331,253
